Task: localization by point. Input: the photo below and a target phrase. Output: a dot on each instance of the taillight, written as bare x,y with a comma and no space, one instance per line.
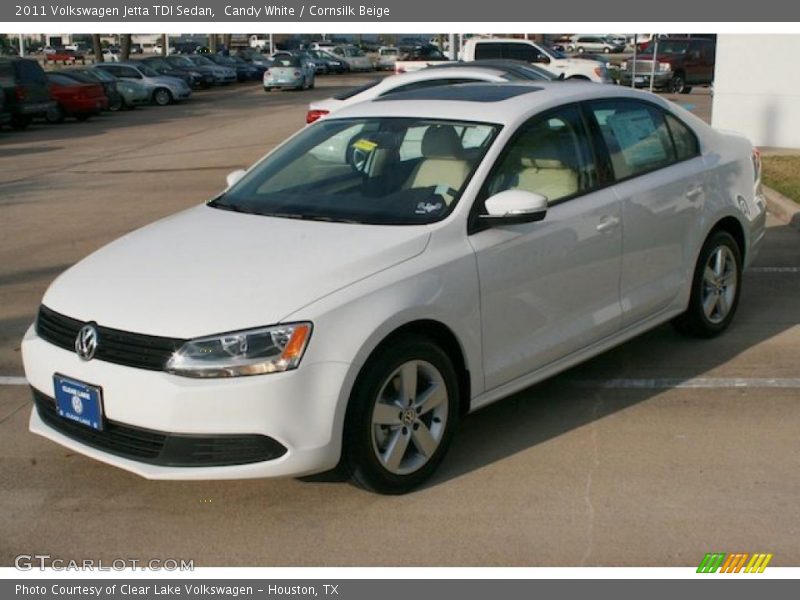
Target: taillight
313,115
756,163
399,70
19,92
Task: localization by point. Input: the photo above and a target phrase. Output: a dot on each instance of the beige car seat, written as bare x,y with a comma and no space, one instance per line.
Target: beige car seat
542,171
442,165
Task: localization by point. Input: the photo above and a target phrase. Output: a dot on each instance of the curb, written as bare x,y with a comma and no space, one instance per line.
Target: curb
782,207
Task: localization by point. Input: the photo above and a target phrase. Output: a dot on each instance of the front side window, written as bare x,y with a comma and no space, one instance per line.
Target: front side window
401,171
488,50
636,136
550,156
523,52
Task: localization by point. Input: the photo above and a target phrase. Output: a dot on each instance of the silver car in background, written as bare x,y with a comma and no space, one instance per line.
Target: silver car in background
163,89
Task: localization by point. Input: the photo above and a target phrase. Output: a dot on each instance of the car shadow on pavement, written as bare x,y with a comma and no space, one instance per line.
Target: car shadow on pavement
578,397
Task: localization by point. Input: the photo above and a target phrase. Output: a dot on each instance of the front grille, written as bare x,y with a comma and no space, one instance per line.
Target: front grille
115,346
164,449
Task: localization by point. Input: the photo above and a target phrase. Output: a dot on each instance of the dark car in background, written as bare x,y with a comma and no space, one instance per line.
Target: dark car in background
25,89
244,71
332,64
115,101
675,64
222,74
191,75
74,98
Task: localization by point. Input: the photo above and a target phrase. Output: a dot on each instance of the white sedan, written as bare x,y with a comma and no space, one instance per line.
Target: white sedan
504,71
346,310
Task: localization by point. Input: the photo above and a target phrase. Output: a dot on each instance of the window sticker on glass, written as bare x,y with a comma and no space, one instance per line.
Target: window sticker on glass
637,137
365,145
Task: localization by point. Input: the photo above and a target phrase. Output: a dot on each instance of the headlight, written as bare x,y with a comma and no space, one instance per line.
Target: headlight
251,352
664,67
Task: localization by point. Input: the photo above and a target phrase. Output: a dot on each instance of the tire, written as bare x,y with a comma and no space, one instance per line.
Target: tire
686,89
369,436
118,105
312,84
677,84
580,49
55,114
162,96
607,50
20,122
716,283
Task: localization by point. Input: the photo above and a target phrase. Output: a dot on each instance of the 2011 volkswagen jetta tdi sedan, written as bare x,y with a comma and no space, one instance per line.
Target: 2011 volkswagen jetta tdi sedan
388,269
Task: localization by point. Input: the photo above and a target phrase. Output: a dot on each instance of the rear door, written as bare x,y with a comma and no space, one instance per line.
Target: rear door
661,185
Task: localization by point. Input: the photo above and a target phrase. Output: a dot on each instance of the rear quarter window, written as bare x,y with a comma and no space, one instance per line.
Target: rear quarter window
686,145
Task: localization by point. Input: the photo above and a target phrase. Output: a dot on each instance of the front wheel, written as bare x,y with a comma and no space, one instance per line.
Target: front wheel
55,114
677,85
117,104
162,97
716,287
401,416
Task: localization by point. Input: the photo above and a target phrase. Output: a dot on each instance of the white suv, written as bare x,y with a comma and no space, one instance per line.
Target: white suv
543,56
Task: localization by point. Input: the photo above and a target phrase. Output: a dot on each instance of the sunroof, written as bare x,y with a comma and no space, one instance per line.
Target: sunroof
466,92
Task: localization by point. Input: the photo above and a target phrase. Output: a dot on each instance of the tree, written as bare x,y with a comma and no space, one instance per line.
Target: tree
212,43
164,43
125,46
97,48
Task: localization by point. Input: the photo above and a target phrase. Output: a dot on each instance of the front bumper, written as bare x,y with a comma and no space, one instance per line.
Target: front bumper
275,83
299,410
660,80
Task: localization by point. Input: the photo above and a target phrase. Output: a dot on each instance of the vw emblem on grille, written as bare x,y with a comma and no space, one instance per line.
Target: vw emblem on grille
86,342
77,405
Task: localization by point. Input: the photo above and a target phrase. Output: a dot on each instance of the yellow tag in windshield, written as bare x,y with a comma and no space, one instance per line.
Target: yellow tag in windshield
365,145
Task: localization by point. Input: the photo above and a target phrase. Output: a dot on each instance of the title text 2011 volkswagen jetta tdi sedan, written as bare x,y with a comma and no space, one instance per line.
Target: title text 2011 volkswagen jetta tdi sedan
388,269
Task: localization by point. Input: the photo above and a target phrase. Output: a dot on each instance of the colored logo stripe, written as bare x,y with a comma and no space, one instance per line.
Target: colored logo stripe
734,563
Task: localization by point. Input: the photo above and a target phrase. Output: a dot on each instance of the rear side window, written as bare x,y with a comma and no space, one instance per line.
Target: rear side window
488,50
29,71
686,145
524,52
635,135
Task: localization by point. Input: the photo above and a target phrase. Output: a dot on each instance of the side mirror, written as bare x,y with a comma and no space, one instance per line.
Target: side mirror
512,207
234,177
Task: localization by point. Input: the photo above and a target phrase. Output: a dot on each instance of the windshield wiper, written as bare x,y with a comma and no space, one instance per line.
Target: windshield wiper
302,217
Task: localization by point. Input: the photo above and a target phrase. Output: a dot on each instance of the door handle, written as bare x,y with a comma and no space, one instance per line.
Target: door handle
607,223
694,191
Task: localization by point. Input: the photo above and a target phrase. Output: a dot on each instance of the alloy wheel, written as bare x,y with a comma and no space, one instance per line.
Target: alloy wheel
720,280
409,417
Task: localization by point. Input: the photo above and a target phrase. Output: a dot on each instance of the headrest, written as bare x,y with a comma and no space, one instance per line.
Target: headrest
441,141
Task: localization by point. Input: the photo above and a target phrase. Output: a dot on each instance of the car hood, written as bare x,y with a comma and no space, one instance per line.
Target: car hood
208,270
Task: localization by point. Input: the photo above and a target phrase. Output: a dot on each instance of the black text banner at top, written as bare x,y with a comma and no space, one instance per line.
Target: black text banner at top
378,11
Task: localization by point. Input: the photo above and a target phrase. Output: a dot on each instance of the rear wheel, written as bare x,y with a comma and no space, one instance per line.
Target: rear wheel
55,114
401,416
20,122
716,287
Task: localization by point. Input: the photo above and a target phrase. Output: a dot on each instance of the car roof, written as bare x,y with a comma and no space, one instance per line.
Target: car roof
435,73
501,103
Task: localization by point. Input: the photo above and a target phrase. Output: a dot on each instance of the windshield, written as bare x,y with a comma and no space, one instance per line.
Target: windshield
402,171
147,71
180,61
354,51
553,52
201,60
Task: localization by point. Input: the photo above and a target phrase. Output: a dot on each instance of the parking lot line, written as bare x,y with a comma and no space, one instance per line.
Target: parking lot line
6,380
774,270
658,383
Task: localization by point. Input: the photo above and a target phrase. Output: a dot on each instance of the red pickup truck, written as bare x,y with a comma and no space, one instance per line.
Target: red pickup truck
680,64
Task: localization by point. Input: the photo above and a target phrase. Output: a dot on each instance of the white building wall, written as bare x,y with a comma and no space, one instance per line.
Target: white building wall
757,88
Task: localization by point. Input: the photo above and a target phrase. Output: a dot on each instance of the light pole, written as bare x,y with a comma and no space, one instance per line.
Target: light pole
21,46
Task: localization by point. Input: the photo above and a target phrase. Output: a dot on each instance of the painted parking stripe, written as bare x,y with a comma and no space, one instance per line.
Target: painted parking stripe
664,383
773,270
13,381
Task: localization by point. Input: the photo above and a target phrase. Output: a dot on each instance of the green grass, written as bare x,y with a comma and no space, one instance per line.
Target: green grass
782,174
